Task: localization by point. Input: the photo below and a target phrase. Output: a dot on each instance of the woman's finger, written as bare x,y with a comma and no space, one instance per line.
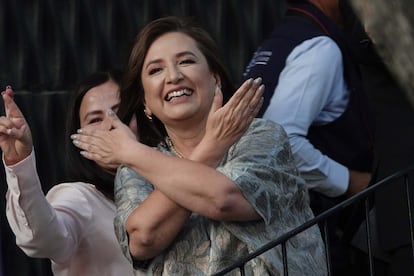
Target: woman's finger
243,102
217,100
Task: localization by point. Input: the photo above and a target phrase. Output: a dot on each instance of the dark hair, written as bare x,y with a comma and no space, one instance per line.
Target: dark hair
132,94
79,168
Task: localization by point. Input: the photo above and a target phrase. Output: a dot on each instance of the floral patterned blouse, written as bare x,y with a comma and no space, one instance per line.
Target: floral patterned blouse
261,165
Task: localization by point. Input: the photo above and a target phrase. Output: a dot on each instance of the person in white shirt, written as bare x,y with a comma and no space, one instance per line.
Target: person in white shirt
313,89
310,78
73,224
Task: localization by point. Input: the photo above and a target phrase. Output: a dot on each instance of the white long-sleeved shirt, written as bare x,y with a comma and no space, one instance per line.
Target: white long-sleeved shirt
312,91
72,225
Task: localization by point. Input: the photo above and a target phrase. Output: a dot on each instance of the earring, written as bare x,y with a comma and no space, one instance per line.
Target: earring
148,116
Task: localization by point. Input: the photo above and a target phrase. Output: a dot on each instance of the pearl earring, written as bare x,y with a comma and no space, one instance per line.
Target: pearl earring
147,115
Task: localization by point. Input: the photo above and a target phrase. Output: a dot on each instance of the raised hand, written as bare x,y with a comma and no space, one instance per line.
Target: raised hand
105,146
226,124
230,121
15,136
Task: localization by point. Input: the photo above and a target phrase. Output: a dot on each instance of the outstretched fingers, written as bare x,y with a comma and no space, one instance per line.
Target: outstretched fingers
246,99
10,106
15,136
111,120
98,144
217,101
255,103
90,146
91,155
14,124
246,102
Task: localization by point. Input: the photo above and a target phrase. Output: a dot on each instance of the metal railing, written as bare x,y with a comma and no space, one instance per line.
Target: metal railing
322,218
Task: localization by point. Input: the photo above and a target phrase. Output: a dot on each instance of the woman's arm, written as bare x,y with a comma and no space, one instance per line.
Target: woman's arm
41,231
194,185
152,229
164,218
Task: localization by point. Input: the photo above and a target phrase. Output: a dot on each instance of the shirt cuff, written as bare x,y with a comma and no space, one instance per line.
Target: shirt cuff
337,181
23,169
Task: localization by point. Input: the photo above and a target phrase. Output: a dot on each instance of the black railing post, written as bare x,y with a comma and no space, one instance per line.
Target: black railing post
410,217
327,248
284,256
368,232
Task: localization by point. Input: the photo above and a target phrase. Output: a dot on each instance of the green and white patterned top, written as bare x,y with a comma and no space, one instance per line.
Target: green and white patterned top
261,165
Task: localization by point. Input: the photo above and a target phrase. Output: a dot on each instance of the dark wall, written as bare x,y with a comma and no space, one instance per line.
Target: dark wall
47,46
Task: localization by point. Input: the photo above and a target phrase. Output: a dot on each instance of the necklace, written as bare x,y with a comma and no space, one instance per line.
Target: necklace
171,146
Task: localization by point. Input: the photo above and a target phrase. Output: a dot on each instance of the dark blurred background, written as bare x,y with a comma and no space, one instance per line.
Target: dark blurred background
47,46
